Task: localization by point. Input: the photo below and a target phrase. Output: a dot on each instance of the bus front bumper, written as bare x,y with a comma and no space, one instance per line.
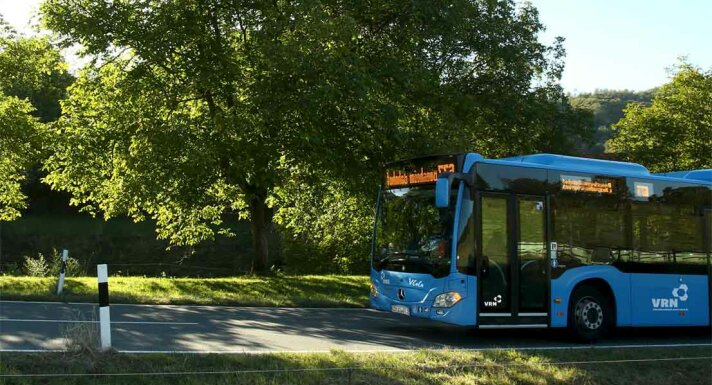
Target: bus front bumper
459,314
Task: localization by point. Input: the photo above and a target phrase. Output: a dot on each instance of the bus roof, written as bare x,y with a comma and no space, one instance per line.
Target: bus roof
597,166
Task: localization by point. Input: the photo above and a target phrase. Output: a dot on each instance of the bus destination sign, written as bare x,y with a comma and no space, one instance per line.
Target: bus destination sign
422,175
585,184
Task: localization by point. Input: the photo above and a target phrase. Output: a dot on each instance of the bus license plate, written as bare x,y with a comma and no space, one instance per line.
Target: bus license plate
400,309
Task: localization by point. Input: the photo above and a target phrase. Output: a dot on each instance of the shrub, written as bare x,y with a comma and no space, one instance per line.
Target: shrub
36,267
74,267
50,267
11,268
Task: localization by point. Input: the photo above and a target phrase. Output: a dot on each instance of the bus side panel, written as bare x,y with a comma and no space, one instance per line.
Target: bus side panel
670,300
563,286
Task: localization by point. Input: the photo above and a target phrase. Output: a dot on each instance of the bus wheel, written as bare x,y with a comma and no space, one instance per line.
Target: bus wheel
589,314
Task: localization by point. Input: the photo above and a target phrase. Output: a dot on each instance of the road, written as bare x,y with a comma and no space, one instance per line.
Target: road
30,326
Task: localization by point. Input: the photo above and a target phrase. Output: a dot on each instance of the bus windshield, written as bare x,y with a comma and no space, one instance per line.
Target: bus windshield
412,234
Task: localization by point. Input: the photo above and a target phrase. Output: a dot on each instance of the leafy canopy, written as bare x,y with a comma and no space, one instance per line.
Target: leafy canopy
675,131
31,68
194,109
32,79
18,146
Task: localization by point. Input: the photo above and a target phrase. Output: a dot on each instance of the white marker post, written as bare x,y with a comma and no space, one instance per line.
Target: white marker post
62,271
104,315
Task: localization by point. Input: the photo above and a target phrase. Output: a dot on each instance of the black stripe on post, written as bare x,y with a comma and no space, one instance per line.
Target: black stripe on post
103,294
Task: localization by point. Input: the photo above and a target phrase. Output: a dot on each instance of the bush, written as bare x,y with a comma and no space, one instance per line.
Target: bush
50,267
11,268
74,268
36,267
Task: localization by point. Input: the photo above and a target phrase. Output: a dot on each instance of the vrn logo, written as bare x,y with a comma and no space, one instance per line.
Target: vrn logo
679,294
495,301
415,282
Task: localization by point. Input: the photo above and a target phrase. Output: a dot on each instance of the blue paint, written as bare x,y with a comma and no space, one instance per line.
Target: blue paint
420,300
442,192
639,299
701,175
669,300
636,295
600,167
563,286
581,164
470,160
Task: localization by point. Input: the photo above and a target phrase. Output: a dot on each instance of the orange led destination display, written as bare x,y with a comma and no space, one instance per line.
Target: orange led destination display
399,178
573,183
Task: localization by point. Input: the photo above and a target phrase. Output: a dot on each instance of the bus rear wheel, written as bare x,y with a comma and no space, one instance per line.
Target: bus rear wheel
590,315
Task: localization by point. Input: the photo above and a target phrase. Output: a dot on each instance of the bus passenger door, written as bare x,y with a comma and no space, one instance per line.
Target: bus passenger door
532,258
494,257
512,261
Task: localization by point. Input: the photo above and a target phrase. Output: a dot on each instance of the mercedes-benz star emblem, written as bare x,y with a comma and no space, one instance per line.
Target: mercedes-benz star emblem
401,294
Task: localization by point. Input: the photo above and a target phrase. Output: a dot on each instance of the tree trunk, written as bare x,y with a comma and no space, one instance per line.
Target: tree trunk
261,221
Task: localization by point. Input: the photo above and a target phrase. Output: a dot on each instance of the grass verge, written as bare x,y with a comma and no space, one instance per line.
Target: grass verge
303,291
622,366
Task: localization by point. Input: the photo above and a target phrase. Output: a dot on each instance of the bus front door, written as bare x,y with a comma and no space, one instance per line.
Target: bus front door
512,261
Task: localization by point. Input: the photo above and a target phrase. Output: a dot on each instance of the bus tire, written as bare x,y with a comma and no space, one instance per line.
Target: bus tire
590,314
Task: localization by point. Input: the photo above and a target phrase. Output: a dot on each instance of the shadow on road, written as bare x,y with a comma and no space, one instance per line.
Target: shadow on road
214,328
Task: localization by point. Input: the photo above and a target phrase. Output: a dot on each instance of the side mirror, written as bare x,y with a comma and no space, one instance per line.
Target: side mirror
442,192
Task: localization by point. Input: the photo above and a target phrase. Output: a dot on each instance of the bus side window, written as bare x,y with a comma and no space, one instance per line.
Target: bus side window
668,238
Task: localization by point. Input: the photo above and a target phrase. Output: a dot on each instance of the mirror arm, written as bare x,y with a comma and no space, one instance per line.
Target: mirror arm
444,184
468,178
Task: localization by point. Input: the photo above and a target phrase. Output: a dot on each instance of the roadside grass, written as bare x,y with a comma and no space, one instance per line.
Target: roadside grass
289,291
496,367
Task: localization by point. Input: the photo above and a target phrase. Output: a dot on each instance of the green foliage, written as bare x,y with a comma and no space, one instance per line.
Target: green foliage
32,69
73,267
675,131
36,267
49,267
195,110
326,228
19,143
607,108
32,79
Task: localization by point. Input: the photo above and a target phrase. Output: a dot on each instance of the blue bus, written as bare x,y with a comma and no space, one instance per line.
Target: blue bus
541,241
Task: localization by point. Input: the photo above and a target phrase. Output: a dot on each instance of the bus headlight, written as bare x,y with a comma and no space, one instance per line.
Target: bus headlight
374,291
447,299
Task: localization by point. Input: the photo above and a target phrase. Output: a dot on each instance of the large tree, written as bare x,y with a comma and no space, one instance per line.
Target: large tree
675,131
33,77
194,109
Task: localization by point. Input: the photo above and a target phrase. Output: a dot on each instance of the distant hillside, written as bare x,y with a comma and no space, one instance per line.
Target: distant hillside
607,108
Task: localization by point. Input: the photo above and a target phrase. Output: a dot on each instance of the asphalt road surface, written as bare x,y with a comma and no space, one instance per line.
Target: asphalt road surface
30,326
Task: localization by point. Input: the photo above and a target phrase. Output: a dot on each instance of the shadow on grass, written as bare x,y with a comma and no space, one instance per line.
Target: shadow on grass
423,367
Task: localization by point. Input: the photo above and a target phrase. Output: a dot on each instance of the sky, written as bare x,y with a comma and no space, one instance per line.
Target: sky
627,44
613,44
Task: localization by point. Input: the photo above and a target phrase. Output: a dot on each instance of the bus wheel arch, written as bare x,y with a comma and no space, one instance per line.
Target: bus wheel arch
591,310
